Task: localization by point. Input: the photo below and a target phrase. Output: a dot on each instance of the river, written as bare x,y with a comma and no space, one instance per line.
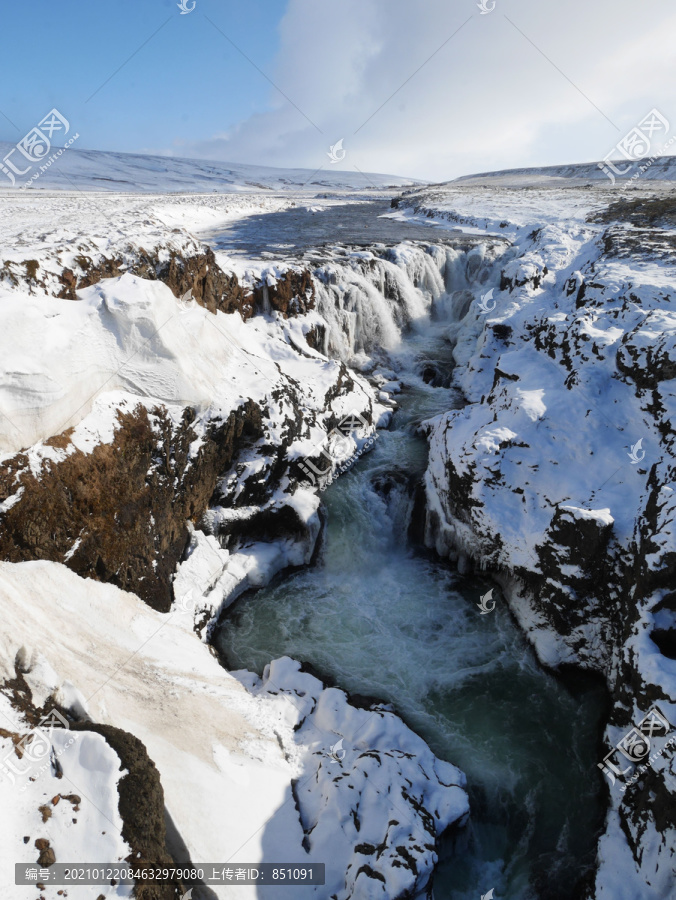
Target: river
379,616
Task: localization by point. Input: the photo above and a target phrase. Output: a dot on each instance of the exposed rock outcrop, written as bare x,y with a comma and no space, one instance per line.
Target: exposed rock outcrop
141,806
188,267
119,513
200,273
292,294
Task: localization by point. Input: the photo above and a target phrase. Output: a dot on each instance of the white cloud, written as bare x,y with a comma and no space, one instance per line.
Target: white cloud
487,99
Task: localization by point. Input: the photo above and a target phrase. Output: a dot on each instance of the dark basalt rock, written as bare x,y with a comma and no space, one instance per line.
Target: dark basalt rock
647,364
141,808
665,638
384,483
621,243
573,541
416,525
266,525
316,337
508,284
641,212
502,332
435,373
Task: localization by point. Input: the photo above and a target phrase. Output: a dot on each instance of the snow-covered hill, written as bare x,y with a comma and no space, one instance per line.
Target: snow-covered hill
99,170
662,168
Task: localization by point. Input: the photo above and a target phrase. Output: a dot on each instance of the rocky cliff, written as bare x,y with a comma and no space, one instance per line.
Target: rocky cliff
558,476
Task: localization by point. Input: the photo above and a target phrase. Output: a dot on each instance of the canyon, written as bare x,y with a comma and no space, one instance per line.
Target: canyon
168,372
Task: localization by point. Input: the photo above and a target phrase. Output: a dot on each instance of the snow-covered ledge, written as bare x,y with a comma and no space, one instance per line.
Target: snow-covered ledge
273,769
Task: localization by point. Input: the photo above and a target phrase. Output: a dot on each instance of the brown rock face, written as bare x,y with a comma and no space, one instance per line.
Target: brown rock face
292,295
317,338
211,287
119,513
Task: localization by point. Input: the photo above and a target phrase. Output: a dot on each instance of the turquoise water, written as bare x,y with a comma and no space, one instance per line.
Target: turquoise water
384,619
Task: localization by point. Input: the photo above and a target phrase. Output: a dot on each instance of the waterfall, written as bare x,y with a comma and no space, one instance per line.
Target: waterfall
370,299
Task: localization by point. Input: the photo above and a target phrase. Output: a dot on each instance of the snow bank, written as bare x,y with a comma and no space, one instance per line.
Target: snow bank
248,774
61,790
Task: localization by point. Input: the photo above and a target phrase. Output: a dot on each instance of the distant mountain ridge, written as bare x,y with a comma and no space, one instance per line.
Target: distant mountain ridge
103,170
663,169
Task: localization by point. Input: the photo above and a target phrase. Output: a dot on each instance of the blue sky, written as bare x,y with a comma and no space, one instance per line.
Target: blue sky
425,88
185,84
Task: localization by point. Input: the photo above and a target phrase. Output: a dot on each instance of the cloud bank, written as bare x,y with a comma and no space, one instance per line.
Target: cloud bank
434,89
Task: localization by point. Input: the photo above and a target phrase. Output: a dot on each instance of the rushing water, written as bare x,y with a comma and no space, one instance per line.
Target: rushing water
382,618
